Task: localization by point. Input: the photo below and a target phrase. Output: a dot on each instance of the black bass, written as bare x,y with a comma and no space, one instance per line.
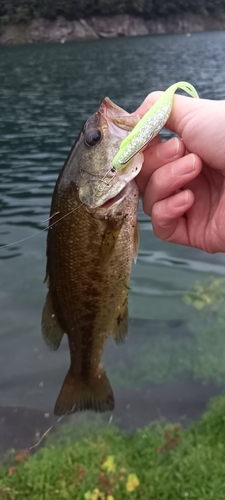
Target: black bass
89,256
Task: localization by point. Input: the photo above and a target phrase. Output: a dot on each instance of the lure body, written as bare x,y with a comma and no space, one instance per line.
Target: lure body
150,125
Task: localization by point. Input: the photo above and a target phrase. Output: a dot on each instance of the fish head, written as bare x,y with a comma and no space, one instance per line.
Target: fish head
96,179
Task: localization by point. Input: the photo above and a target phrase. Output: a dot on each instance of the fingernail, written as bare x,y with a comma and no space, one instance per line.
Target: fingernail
168,149
184,165
180,199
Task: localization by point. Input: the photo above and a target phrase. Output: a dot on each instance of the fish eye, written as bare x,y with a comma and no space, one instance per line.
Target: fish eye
92,138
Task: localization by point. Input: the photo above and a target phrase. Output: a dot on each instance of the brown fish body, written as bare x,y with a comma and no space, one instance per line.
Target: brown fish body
89,258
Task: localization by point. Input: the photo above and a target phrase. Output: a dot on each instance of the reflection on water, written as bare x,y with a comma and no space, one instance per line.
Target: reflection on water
47,91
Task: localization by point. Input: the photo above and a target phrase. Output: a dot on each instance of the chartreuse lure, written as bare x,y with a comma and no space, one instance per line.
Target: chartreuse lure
149,125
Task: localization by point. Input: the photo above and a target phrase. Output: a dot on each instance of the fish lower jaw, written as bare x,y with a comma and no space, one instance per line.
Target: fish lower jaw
116,200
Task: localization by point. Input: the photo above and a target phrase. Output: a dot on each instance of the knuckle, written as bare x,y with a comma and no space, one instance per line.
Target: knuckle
158,214
155,182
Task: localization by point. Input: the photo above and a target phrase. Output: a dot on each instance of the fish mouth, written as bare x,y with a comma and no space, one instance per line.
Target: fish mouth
119,121
109,109
115,200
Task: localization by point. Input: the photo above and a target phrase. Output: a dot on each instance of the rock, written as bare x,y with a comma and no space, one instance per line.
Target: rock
119,25
63,30
87,29
60,30
39,30
14,34
187,23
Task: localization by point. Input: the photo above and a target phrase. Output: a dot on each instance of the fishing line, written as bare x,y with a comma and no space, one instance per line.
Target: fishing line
114,172
46,433
49,218
219,150
54,425
51,427
111,169
42,230
110,420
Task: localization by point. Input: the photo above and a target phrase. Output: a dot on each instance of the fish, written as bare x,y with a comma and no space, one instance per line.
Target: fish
92,239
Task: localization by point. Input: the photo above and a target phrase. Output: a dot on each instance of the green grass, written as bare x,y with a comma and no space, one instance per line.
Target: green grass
154,463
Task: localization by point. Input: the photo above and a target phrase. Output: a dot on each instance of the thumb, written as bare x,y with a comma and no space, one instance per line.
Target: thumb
182,108
198,122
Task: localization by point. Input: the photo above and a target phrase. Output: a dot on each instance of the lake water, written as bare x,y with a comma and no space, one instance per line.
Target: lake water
46,93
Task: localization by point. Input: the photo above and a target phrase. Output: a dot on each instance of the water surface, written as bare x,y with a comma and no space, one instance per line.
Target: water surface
46,93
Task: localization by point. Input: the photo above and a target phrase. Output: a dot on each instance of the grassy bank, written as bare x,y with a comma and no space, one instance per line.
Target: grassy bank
154,463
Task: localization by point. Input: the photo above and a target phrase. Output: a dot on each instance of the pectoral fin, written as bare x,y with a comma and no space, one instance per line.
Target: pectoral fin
120,327
136,242
47,280
109,240
51,329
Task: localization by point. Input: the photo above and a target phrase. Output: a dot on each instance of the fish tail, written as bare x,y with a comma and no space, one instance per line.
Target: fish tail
78,394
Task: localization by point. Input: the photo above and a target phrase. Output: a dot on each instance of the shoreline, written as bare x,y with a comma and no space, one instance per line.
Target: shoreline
61,30
182,401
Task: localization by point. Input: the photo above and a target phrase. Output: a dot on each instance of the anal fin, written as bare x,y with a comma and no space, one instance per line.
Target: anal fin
51,329
77,394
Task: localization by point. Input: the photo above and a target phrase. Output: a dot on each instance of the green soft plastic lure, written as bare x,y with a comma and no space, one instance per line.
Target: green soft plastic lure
149,125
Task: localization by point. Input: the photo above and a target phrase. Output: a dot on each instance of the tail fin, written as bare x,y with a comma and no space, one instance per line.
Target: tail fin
77,394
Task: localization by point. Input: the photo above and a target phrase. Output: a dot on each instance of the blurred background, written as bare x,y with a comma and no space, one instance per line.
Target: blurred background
173,361
164,370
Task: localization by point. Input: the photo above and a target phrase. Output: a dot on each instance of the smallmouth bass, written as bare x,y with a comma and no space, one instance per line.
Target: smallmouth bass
89,256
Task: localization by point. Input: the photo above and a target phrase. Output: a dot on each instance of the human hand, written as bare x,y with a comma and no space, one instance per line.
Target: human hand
195,215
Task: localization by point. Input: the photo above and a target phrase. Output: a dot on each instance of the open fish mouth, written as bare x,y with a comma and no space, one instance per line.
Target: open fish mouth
116,199
119,121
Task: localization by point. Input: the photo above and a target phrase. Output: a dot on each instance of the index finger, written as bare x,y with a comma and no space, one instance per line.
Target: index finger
157,155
